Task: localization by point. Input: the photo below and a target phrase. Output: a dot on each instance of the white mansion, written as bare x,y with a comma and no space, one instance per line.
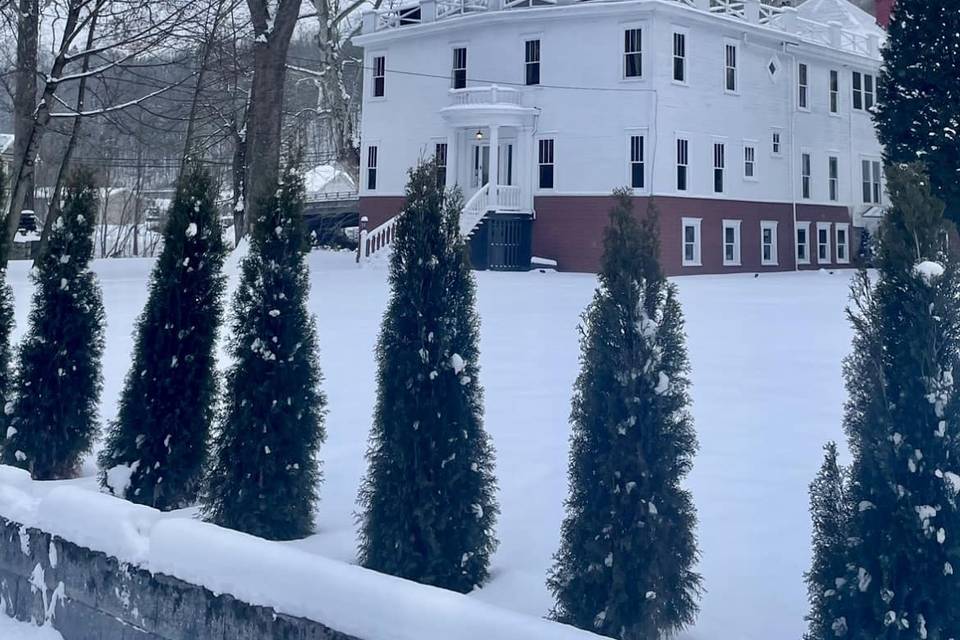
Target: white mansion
748,125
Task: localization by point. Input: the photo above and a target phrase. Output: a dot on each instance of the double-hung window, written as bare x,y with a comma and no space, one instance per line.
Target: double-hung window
870,172
749,162
636,162
731,243
842,232
683,158
691,242
776,142
440,157
459,72
834,91
823,243
532,62
371,168
379,76
545,164
633,53
803,86
803,243
719,160
679,57
864,86
805,166
833,168
768,243
730,68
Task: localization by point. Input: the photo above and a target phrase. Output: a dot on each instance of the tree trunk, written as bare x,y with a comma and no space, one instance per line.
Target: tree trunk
25,95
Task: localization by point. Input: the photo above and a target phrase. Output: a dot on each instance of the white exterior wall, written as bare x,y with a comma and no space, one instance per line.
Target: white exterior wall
582,46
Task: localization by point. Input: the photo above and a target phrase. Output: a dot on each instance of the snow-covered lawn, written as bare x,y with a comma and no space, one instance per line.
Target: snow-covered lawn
11,629
766,355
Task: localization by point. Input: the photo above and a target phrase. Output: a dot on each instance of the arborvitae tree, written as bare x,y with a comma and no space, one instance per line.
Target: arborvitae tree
625,565
918,108
155,449
830,511
902,420
6,327
53,416
428,503
265,474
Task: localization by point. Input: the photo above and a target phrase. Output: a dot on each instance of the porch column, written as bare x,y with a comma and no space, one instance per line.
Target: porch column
494,163
453,158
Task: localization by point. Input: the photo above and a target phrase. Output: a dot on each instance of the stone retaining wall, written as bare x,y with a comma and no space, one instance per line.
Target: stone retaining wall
88,595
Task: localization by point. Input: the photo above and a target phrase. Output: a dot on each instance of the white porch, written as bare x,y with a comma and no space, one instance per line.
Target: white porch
490,149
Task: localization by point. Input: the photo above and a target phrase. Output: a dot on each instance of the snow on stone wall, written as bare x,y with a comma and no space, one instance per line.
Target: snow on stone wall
98,566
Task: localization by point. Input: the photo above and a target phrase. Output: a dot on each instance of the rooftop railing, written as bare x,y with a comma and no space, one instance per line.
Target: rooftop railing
752,11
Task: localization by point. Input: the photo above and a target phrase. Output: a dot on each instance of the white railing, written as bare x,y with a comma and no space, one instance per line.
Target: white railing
747,10
477,206
378,238
450,8
508,198
484,95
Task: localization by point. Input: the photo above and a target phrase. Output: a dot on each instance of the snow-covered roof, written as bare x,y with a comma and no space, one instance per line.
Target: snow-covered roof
328,179
6,142
850,16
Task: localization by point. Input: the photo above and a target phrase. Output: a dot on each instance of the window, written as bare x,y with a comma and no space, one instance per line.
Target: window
834,173
459,76
440,157
749,162
768,243
777,147
823,242
532,62
719,160
636,162
545,163
683,148
863,91
803,243
870,171
843,243
379,76
805,176
691,242
371,168
731,243
834,91
680,57
730,68
633,53
803,86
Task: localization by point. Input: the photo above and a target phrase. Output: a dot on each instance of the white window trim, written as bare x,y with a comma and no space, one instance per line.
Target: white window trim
845,226
524,39
373,56
686,56
681,135
737,258
549,135
643,133
644,36
774,245
697,244
736,69
832,154
835,114
714,141
804,151
826,226
365,177
776,154
805,109
871,160
755,144
796,244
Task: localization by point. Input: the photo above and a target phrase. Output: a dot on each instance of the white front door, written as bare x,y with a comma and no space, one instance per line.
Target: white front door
480,164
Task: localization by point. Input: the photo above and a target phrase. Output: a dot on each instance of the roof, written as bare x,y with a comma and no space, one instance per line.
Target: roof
327,180
851,17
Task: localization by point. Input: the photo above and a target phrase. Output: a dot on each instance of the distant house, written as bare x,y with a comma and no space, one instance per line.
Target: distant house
748,124
6,148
